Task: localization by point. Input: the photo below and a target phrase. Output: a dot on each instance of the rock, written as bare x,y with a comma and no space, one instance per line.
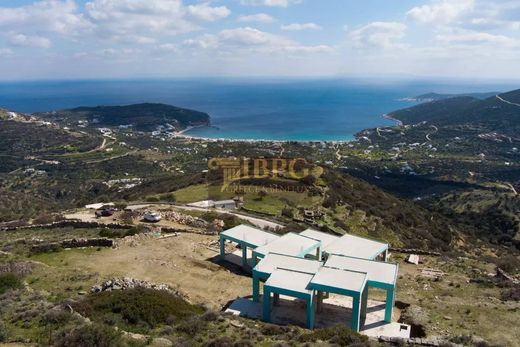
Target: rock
82,292
161,342
447,318
137,337
129,283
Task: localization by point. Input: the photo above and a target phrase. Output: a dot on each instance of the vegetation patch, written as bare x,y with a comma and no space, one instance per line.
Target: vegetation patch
9,281
136,309
337,335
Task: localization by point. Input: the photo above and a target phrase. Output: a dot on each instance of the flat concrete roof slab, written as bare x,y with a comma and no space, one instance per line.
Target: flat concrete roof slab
340,279
356,246
325,238
289,244
290,280
250,235
377,271
273,261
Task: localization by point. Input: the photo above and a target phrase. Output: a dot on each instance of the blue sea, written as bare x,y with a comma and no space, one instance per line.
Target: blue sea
275,109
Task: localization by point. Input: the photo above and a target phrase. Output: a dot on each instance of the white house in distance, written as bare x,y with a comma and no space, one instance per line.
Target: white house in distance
220,204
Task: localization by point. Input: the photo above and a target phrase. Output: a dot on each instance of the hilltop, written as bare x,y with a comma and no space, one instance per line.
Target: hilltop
143,117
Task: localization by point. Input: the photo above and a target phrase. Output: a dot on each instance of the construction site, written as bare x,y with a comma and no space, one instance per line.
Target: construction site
315,279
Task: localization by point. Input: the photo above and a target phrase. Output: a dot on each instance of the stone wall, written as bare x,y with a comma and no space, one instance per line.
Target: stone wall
74,243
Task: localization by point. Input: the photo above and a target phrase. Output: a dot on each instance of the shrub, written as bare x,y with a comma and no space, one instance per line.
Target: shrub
191,326
137,309
223,341
512,294
9,281
273,329
4,334
287,212
92,335
339,334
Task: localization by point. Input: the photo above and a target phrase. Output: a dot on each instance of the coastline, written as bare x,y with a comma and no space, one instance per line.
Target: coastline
387,116
182,134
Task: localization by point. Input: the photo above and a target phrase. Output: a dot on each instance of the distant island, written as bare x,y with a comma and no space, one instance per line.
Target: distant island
143,117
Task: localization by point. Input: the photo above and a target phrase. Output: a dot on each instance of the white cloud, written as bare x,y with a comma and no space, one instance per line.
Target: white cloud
379,35
441,11
207,13
259,18
270,3
168,48
301,49
147,20
44,16
247,39
206,41
476,38
249,36
5,52
29,41
301,26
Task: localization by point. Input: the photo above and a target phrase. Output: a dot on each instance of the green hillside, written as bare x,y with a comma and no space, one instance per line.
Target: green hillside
144,117
497,113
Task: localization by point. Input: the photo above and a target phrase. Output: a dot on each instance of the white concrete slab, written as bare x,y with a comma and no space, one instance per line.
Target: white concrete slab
356,246
290,280
252,236
336,310
325,238
341,279
288,244
376,271
272,261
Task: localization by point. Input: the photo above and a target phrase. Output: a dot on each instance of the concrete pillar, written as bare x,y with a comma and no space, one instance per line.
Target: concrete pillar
244,256
318,253
256,288
319,302
390,297
364,303
386,255
266,305
356,313
222,247
310,312
276,299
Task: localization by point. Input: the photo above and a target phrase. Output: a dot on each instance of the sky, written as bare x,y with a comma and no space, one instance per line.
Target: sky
68,39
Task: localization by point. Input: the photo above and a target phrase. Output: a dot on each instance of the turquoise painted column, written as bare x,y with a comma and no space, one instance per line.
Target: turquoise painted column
266,305
364,303
244,256
310,312
222,246
390,297
256,288
355,313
